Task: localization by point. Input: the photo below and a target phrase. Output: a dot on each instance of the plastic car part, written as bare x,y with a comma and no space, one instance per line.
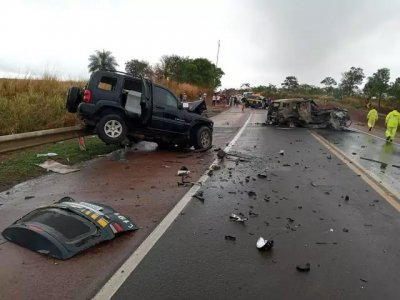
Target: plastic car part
67,227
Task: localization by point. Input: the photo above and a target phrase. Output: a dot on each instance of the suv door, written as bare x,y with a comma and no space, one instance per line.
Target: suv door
104,87
167,115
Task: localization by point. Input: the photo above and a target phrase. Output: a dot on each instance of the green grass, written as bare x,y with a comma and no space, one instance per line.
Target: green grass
20,166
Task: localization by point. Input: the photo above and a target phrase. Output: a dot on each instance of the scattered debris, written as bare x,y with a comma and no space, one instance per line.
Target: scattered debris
214,167
251,194
304,267
345,230
263,244
29,197
396,166
313,184
236,218
82,144
347,198
230,238
183,172
199,195
221,154
262,175
282,152
49,154
290,220
52,165
253,214
363,280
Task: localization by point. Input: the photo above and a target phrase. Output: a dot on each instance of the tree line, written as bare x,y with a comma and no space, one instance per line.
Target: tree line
197,71
377,86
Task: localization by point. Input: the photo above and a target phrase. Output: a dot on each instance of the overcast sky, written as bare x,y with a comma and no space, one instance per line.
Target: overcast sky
262,41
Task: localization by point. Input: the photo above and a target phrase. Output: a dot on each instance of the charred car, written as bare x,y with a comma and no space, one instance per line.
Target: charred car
122,108
299,112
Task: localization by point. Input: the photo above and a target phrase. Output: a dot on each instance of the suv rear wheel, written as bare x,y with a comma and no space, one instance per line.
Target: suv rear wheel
203,138
73,99
112,129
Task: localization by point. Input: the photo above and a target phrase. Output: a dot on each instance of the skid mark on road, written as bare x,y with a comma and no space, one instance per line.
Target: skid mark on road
115,282
386,192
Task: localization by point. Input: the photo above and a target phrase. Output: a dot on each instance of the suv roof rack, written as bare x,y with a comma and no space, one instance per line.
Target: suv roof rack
120,72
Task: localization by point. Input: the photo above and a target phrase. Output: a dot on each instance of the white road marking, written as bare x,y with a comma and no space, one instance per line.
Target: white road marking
384,190
370,134
119,277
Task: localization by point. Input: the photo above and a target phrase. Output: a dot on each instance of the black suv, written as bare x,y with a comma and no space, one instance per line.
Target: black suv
124,109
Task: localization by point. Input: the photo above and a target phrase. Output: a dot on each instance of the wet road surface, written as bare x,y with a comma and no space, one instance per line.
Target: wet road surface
312,205
141,184
380,159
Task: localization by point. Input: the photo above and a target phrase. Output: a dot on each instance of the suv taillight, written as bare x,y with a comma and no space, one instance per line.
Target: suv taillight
87,95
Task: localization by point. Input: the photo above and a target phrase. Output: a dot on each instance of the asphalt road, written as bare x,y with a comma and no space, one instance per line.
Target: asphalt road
315,208
140,183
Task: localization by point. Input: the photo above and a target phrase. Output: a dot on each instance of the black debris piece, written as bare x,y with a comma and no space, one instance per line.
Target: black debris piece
221,154
345,230
237,218
29,197
290,220
230,238
217,149
253,214
363,280
304,267
329,157
282,152
184,168
251,194
347,198
262,175
199,196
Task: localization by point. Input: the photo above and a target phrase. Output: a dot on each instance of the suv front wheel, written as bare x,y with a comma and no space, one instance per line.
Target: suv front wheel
203,138
112,129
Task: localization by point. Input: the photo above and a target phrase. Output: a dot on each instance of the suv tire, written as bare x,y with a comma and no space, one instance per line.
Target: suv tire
73,99
202,138
112,129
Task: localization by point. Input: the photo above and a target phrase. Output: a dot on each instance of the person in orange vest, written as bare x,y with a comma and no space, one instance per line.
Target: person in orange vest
372,118
392,121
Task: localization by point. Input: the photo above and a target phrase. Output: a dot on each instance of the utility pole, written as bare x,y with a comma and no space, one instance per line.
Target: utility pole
219,43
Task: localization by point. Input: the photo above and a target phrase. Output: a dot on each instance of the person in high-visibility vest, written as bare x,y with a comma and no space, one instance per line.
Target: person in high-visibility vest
372,118
392,122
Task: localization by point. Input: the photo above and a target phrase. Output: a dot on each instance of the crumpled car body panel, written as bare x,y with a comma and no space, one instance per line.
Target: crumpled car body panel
67,227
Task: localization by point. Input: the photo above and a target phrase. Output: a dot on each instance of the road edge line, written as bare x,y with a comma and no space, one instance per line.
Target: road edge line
384,192
127,268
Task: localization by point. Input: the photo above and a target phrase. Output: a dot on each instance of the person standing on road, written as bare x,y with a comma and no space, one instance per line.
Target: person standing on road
372,118
392,122
213,99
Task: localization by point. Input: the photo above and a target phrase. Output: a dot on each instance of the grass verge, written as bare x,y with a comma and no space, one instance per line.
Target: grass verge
20,166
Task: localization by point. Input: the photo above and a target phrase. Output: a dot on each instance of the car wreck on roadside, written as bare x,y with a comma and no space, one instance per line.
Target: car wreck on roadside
300,112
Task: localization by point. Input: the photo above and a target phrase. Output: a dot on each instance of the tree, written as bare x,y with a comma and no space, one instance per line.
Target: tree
378,84
245,86
102,60
329,83
394,89
350,80
138,67
290,83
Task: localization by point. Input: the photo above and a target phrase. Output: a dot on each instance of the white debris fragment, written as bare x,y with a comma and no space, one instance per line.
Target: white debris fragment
282,152
49,154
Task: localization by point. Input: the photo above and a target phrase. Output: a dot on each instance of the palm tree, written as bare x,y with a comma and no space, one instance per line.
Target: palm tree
102,60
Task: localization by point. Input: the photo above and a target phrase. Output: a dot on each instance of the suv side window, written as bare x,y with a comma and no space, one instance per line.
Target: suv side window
107,83
132,85
164,98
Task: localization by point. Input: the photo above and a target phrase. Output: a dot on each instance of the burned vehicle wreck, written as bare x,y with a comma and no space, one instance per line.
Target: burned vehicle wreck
299,112
66,227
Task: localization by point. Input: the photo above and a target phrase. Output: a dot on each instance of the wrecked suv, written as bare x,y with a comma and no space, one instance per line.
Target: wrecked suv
304,112
124,109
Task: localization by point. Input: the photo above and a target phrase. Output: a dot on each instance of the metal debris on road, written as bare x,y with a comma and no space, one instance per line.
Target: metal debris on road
54,166
263,244
304,267
251,194
236,218
282,152
199,196
67,227
221,154
262,175
230,238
